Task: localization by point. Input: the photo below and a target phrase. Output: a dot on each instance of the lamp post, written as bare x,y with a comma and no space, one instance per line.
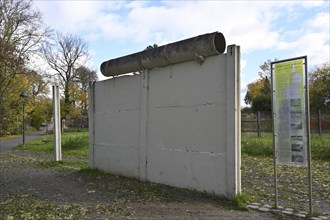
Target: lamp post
23,95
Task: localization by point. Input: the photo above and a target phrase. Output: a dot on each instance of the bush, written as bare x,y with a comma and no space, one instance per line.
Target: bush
15,128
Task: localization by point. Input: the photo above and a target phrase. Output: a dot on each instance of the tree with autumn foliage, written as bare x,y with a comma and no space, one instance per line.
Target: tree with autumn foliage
319,89
21,34
259,91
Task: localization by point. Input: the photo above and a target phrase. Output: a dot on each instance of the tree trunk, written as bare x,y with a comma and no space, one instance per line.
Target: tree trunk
66,100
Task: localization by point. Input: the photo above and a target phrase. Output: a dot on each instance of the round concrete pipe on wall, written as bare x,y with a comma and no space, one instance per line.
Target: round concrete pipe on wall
181,51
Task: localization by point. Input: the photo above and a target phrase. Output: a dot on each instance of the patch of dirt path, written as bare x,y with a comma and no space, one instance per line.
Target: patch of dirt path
31,190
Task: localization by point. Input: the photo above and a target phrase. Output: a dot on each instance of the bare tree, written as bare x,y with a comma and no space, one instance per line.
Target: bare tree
21,34
38,85
264,69
85,76
65,54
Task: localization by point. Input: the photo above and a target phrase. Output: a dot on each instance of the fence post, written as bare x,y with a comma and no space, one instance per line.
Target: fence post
258,124
320,122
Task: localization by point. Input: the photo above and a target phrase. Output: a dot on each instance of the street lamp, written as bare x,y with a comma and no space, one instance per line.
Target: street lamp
23,95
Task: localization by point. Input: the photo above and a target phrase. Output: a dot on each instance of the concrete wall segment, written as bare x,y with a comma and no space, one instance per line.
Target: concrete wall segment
91,126
176,125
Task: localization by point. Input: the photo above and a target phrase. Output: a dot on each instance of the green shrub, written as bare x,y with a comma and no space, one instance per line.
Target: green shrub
240,201
15,128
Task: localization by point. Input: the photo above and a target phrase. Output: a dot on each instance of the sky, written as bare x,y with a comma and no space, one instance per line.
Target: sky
263,29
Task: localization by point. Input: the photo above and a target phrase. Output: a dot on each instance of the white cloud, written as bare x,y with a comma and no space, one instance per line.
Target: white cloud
243,64
248,23
315,46
145,23
254,25
319,21
312,40
314,3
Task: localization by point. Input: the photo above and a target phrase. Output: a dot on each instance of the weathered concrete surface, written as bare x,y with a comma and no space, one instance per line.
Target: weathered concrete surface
178,125
198,48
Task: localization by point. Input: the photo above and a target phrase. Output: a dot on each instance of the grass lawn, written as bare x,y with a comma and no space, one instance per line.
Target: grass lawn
73,144
263,146
257,168
258,174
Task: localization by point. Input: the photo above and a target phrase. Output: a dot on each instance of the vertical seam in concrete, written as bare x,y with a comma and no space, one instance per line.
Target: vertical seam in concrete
228,120
143,125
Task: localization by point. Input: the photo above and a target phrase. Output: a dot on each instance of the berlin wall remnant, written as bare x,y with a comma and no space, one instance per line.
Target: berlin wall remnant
177,125
195,48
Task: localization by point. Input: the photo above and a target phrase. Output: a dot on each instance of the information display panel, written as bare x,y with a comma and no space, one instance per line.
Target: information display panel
289,111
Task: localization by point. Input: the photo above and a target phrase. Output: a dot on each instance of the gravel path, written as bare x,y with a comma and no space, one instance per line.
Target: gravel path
34,187
8,144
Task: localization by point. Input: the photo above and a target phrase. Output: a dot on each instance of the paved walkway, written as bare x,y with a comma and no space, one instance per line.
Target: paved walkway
8,144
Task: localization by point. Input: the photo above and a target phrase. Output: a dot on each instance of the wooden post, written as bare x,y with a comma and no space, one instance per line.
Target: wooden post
320,122
258,124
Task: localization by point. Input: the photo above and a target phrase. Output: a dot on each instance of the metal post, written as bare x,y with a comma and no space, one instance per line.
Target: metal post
275,168
23,95
275,175
23,123
274,137
309,151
